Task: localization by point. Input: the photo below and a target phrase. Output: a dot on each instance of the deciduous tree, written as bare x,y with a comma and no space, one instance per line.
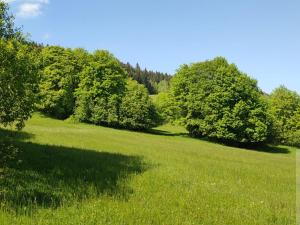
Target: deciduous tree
218,101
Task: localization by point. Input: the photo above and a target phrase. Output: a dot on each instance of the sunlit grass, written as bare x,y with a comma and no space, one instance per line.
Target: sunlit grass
83,174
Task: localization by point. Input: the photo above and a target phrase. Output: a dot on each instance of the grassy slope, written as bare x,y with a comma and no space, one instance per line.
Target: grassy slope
97,175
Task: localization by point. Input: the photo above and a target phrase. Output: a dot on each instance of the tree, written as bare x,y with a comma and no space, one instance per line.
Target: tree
166,107
101,88
148,78
293,137
163,86
8,29
137,111
59,78
217,101
18,82
284,107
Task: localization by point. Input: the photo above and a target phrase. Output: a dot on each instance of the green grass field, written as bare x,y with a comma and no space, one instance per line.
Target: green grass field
83,174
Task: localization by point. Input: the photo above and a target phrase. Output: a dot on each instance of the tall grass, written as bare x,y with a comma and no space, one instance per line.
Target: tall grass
82,174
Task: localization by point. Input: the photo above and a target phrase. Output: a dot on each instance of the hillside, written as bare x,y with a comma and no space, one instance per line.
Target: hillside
84,174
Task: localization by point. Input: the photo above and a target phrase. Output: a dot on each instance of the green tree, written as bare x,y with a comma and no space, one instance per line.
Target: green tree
217,101
163,86
284,107
293,137
101,88
60,70
137,110
18,82
148,78
167,108
8,30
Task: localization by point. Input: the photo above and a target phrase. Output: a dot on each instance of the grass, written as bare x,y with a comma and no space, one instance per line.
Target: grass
83,174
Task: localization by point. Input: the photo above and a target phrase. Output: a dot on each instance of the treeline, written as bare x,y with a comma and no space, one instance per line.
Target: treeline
63,83
92,88
154,81
212,99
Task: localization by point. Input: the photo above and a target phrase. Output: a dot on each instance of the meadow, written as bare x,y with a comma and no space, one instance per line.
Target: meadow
84,174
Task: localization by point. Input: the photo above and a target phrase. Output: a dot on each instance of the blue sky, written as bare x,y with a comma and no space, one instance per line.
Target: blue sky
262,37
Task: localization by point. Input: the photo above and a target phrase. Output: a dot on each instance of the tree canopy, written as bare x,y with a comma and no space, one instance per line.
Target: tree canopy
212,99
59,78
18,82
284,107
101,88
218,101
8,30
155,82
137,110
18,73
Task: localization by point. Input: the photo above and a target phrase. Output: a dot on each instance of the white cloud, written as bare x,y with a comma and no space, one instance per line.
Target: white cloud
8,1
27,1
29,8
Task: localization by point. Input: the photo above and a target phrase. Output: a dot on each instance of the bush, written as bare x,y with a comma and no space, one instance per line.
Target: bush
137,110
217,101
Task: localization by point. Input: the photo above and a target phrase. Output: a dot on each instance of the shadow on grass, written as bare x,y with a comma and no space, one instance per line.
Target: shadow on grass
260,147
164,133
14,135
53,176
270,149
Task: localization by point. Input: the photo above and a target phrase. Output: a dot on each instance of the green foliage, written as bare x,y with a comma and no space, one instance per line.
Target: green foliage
18,82
105,96
101,88
217,101
7,25
284,107
60,70
166,107
163,86
148,78
137,110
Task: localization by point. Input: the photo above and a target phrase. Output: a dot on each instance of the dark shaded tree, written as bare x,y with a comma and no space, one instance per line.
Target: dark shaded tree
148,78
